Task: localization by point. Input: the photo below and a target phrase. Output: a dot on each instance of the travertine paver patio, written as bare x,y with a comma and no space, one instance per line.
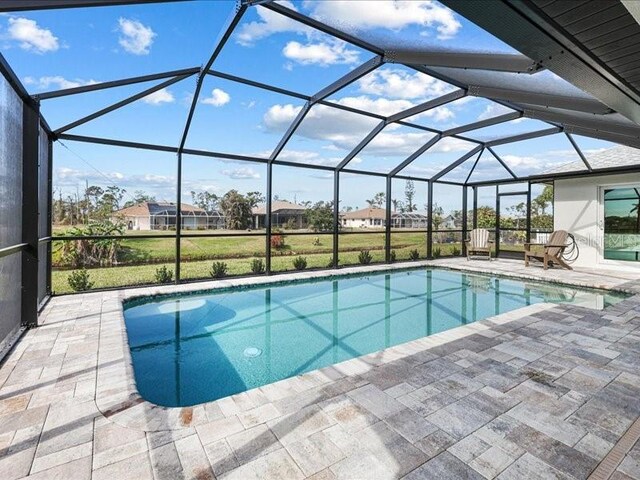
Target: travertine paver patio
543,392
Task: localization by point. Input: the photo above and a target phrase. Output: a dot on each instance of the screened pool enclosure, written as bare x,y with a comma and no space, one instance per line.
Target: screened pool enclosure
426,136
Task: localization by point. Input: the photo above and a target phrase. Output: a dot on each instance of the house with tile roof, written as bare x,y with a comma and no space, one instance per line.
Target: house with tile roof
162,216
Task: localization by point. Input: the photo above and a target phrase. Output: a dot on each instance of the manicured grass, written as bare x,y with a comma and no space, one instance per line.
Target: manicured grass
144,274
162,250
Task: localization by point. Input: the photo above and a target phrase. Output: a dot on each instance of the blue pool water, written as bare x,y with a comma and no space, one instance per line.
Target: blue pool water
190,349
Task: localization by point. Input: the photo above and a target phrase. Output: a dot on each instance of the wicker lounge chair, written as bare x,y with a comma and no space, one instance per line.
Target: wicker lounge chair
552,251
478,244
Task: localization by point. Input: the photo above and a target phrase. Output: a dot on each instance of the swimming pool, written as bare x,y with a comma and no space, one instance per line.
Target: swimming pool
195,348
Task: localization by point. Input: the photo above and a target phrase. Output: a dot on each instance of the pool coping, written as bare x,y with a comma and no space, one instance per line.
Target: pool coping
118,399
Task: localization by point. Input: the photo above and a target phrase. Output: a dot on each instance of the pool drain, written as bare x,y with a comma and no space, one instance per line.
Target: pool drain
252,352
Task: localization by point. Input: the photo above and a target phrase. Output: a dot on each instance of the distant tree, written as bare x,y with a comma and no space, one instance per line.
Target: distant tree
437,216
320,216
139,196
397,205
409,195
371,202
542,201
205,200
379,199
486,217
255,198
236,209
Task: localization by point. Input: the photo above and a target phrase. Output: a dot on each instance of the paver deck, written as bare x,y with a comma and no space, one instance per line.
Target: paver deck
541,392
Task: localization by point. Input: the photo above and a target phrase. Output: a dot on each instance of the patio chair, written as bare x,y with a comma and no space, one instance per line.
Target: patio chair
478,244
552,251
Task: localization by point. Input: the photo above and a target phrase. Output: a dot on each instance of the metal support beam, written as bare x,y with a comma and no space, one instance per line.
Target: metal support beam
348,79
592,122
336,217
322,27
600,135
222,39
342,82
507,117
267,218
290,131
48,231
521,22
387,226
578,151
115,83
524,136
363,143
429,219
263,86
474,166
415,155
178,216
578,104
475,207
120,104
30,160
528,212
515,63
502,162
25,5
457,163
431,104
464,221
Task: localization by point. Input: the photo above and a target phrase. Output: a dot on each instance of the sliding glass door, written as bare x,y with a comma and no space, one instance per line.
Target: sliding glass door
621,223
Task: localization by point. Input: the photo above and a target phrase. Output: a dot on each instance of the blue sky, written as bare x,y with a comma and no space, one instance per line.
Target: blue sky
50,50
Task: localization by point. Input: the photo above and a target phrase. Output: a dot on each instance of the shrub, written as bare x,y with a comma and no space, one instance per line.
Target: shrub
437,252
277,241
365,257
79,280
163,274
331,265
316,241
455,251
414,254
392,255
218,269
300,263
291,224
257,265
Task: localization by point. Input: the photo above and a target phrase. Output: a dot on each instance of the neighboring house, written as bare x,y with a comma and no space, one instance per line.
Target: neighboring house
417,219
162,216
282,213
448,223
600,211
365,218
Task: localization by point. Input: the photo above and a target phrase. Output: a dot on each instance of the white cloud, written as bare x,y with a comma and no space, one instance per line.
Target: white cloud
393,15
58,82
242,173
159,97
381,106
31,36
493,110
135,37
270,22
398,83
218,98
324,123
321,53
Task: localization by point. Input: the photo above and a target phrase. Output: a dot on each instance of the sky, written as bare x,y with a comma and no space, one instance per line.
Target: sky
50,50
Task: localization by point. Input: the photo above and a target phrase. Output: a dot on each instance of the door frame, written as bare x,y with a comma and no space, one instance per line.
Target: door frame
600,227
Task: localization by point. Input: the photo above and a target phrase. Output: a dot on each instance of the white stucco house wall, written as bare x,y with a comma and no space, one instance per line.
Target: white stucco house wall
365,218
579,208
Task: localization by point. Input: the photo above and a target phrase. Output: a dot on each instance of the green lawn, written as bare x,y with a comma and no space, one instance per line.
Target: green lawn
143,256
